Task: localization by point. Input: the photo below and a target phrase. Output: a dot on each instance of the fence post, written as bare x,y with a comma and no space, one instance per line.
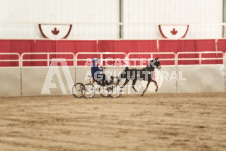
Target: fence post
200,58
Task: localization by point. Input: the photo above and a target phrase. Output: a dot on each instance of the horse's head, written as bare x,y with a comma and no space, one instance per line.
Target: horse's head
155,63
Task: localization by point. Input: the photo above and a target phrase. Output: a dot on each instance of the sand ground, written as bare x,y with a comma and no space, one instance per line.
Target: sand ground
154,122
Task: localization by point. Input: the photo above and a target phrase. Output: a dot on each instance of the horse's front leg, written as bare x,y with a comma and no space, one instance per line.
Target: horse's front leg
133,85
156,84
125,83
146,88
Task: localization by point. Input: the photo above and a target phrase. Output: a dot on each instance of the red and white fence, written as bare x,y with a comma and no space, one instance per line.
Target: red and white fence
10,60
25,74
47,59
110,58
206,57
142,58
106,58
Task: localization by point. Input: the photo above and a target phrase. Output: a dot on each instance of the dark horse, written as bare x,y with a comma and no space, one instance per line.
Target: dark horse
141,74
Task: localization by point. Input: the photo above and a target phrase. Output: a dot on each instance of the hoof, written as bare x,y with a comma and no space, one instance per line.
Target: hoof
142,94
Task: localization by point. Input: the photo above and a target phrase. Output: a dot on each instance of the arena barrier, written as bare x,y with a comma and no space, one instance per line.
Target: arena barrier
34,78
10,75
202,78
10,82
27,77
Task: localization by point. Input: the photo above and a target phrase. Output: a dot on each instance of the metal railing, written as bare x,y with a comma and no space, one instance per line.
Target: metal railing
48,59
101,58
11,60
199,58
151,56
125,58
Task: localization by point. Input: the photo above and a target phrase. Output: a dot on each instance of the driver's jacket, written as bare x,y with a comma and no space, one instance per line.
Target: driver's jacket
96,72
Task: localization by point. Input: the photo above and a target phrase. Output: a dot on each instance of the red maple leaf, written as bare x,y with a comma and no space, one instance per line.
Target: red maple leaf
173,32
55,31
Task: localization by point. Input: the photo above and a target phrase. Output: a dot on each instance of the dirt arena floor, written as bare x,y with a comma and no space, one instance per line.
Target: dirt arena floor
154,122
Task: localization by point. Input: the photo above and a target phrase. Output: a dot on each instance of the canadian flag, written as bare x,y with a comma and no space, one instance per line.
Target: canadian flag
173,31
55,31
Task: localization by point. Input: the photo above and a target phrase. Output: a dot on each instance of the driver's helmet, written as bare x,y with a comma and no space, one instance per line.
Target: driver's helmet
95,60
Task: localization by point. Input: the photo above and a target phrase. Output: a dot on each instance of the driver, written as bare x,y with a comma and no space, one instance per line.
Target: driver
96,72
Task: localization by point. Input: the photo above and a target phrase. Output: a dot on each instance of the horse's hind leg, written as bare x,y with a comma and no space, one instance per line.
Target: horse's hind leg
121,88
146,88
133,85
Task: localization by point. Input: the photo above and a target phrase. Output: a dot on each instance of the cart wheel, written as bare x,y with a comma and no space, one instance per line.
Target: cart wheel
88,91
104,91
77,90
115,91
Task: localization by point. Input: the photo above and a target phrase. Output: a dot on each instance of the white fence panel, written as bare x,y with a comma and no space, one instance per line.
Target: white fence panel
34,78
10,82
169,80
201,79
